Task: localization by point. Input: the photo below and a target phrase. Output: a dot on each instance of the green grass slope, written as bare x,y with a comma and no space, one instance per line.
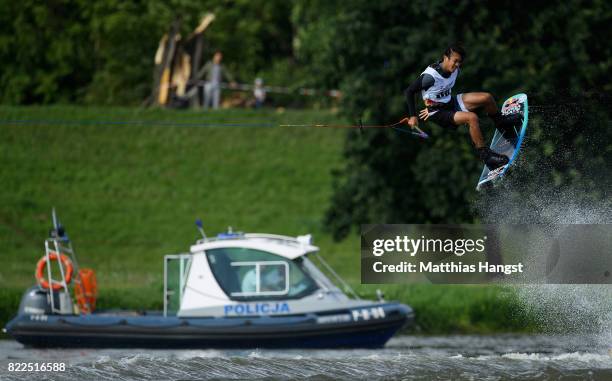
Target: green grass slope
128,186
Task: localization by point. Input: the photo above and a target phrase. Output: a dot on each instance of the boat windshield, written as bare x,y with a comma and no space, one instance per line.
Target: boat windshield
248,274
318,276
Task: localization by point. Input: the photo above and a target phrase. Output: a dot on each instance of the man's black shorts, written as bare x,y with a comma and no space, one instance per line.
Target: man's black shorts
444,113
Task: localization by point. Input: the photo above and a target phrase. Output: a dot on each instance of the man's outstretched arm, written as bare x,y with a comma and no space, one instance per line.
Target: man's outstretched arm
424,82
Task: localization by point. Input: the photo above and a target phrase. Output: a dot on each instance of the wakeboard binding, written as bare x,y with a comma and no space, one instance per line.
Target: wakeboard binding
507,125
492,159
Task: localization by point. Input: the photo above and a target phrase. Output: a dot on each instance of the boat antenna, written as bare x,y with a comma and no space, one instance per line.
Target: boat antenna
54,217
200,226
58,230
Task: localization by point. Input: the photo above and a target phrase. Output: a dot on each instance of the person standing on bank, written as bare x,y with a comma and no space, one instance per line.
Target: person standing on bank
259,93
214,72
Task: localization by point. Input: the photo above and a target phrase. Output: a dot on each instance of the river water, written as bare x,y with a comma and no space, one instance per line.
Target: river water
492,357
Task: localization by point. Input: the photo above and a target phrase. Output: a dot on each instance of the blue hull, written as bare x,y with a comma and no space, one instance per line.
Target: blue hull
121,330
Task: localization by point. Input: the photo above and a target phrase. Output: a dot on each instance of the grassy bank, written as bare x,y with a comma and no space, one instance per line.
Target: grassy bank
128,184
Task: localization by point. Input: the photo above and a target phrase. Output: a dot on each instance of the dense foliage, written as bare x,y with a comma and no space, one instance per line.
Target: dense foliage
102,52
554,52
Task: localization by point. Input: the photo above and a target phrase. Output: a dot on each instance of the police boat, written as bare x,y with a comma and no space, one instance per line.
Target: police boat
234,290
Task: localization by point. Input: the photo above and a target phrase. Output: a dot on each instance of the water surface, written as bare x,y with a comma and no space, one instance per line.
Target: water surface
493,357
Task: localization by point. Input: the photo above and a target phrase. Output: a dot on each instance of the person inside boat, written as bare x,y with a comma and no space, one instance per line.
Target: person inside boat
272,279
236,271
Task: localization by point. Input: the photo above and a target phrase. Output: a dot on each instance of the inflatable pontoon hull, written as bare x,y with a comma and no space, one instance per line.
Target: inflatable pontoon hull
332,329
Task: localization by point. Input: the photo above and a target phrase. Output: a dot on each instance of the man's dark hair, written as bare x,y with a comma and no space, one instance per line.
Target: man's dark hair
457,48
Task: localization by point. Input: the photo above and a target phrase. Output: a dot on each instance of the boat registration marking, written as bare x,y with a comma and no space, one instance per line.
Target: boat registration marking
368,313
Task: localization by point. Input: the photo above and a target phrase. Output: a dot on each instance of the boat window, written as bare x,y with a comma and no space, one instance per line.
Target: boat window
248,274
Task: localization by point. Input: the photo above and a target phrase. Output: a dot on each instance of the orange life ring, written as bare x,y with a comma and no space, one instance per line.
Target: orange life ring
86,290
40,267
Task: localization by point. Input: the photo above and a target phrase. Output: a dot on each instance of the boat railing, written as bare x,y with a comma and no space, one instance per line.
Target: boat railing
304,240
60,246
57,248
300,240
59,243
347,288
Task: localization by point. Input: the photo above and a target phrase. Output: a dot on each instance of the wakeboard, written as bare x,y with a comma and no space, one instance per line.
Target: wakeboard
515,104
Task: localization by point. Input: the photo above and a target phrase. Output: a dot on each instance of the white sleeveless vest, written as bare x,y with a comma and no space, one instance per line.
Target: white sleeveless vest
440,91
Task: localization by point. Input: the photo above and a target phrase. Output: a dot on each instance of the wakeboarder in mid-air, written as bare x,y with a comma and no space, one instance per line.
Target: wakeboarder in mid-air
448,111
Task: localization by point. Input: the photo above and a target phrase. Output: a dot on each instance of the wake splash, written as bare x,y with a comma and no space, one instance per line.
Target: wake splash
557,308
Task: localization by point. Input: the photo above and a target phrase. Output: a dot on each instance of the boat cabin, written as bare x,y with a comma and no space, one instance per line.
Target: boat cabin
238,274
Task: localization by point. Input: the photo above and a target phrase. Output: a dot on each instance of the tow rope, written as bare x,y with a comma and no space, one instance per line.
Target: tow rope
416,131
